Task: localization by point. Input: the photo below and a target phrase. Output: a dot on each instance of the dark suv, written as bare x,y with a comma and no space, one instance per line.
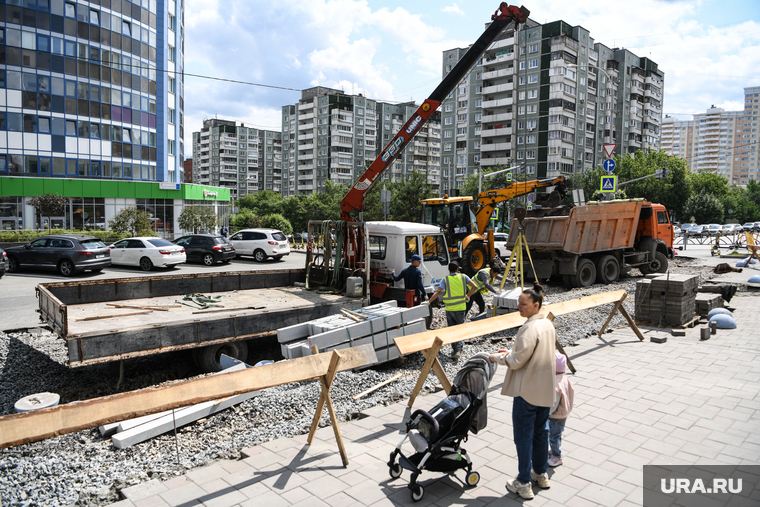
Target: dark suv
68,254
3,262
207,248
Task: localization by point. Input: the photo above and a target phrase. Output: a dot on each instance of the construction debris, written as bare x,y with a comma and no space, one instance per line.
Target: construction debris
377,325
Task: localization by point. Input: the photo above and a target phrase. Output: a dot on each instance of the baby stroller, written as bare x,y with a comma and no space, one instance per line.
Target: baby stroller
437,435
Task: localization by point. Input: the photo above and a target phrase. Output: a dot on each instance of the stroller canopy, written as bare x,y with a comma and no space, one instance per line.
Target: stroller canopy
475,377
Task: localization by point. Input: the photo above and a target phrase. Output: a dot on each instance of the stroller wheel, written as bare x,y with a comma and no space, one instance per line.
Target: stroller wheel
395,470
473,478
417,492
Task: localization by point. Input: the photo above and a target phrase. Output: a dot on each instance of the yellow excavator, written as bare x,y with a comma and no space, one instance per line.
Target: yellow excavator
469,231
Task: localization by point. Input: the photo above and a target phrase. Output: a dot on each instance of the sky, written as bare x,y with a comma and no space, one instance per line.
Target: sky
262,53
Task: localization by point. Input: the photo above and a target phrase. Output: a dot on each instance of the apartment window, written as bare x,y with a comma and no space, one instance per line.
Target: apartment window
172,85
462,131
520,155
522,80
171,146
532,94
171,116
461,117
520,140
70,10
449,108
533,64
533,79
447,121
531,140
94,17
447,147
172,23
172,54
448,133
126,28
533,48
523,65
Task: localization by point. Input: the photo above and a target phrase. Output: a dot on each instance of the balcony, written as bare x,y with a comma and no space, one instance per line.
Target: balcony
304,137
495,147
309,146
304,106
496,132
497,103
496,59
504,87
490,118
488,162
306,186
306,156
305,126
492,74
504,43
305,116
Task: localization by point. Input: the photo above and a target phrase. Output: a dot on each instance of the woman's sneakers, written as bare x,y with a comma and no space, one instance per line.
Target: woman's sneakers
555,461
542,480
523,489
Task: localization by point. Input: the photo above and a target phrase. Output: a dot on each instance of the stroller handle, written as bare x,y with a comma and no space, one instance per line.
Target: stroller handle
432,420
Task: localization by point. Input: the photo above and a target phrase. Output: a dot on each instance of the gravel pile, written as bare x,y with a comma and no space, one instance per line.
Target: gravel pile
84,469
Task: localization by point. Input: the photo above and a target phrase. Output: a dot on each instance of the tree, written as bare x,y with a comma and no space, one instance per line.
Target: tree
49,205
197,218
704,208
261,203
407,196
707,182
132,221
279,222
246,219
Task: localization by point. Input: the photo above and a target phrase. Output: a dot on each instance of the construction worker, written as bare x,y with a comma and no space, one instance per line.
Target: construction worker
413,279
484,280
455,287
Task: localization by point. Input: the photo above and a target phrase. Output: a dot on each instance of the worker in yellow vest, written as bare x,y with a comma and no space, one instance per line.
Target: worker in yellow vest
456,289
484,280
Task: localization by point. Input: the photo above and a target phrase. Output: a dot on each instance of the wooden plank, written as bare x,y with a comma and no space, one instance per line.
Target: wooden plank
378,386
162,308
36,425
100,317
423,341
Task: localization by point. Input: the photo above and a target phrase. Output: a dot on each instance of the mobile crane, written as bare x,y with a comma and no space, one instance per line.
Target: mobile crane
354,199
349,252
470,230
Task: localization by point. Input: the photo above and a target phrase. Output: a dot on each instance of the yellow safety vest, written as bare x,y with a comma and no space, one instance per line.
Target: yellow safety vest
456,291
481,286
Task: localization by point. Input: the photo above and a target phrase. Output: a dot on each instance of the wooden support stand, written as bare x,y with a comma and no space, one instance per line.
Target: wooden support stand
324,399
619,307
431,362
559,347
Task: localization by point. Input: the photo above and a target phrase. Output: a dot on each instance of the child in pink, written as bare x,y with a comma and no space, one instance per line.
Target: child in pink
563,405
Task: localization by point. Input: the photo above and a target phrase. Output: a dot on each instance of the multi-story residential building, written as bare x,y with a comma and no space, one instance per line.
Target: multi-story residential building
327,135
724,142
93,90
424,154
548,97
187,177
242,159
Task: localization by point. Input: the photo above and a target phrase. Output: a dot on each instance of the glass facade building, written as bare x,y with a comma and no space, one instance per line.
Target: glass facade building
92,89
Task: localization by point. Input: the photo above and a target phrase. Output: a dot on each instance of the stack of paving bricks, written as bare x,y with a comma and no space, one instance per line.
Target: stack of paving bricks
708,301
378,325
506,302
670,300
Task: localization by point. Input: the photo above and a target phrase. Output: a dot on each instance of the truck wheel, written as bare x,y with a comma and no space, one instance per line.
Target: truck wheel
607,269
567,281
658,265
207,358
474,258
586,274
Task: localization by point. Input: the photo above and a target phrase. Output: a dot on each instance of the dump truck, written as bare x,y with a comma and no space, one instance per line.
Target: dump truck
111,320
597,242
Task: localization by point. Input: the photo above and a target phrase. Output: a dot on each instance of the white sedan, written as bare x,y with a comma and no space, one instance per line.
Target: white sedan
146,253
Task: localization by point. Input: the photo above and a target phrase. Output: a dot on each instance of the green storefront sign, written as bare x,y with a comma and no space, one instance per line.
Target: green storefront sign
28,187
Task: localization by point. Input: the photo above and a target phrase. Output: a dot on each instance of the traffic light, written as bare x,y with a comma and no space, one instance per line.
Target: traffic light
664,173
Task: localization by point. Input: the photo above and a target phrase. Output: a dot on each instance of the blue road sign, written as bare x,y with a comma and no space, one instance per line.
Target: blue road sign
609,184
609,165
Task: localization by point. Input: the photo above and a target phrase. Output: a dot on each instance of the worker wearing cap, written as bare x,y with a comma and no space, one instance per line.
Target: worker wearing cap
484,280
455,287
413,278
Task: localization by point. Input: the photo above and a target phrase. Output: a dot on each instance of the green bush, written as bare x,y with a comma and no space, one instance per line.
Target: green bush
25,236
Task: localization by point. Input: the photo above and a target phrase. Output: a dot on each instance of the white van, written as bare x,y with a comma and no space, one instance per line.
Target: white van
392,245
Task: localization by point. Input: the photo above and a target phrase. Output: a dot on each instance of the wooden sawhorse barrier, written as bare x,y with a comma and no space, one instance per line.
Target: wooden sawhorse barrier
431,342
37,425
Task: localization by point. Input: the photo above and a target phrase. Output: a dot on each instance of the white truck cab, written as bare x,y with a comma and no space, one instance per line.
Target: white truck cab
392,245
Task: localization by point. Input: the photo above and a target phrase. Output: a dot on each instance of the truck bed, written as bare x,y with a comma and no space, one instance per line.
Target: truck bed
587,229
65,305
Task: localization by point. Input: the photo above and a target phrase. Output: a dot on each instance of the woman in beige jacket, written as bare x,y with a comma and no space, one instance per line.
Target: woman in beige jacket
530,381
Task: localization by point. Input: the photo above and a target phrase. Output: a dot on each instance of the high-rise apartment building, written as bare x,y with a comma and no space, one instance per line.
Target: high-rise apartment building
724,142
424,153
242,159
548,97
92,89
327,135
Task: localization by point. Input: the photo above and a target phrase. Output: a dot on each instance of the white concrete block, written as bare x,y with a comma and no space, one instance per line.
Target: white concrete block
290,333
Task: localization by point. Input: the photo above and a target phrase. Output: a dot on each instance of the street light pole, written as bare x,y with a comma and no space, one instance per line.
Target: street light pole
480,175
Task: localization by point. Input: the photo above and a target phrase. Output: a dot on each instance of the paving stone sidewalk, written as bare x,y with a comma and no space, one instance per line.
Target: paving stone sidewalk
682,402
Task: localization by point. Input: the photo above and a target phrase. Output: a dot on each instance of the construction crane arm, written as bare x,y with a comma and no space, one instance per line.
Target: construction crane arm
489,199
354,199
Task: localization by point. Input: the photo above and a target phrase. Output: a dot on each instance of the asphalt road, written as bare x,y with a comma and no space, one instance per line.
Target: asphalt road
18,302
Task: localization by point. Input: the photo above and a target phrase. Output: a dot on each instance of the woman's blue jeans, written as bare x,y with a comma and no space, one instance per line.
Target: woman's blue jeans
531,437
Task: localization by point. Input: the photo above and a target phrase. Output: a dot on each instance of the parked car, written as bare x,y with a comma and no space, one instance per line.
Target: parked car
714,229
757,226
750,227
261,243
677,231
207,248
68,254
3,262
500,244
731,229
697,230
147,252
685,228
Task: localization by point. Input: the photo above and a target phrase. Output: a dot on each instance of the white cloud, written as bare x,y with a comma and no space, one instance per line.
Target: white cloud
453,9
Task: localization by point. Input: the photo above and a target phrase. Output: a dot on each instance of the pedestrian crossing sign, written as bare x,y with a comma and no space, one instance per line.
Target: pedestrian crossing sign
609,184
495,214
509,176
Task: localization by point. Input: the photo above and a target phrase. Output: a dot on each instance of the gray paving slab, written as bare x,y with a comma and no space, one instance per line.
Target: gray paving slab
681,402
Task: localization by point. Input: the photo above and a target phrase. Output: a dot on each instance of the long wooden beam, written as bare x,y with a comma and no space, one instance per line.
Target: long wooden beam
423,341
36,425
